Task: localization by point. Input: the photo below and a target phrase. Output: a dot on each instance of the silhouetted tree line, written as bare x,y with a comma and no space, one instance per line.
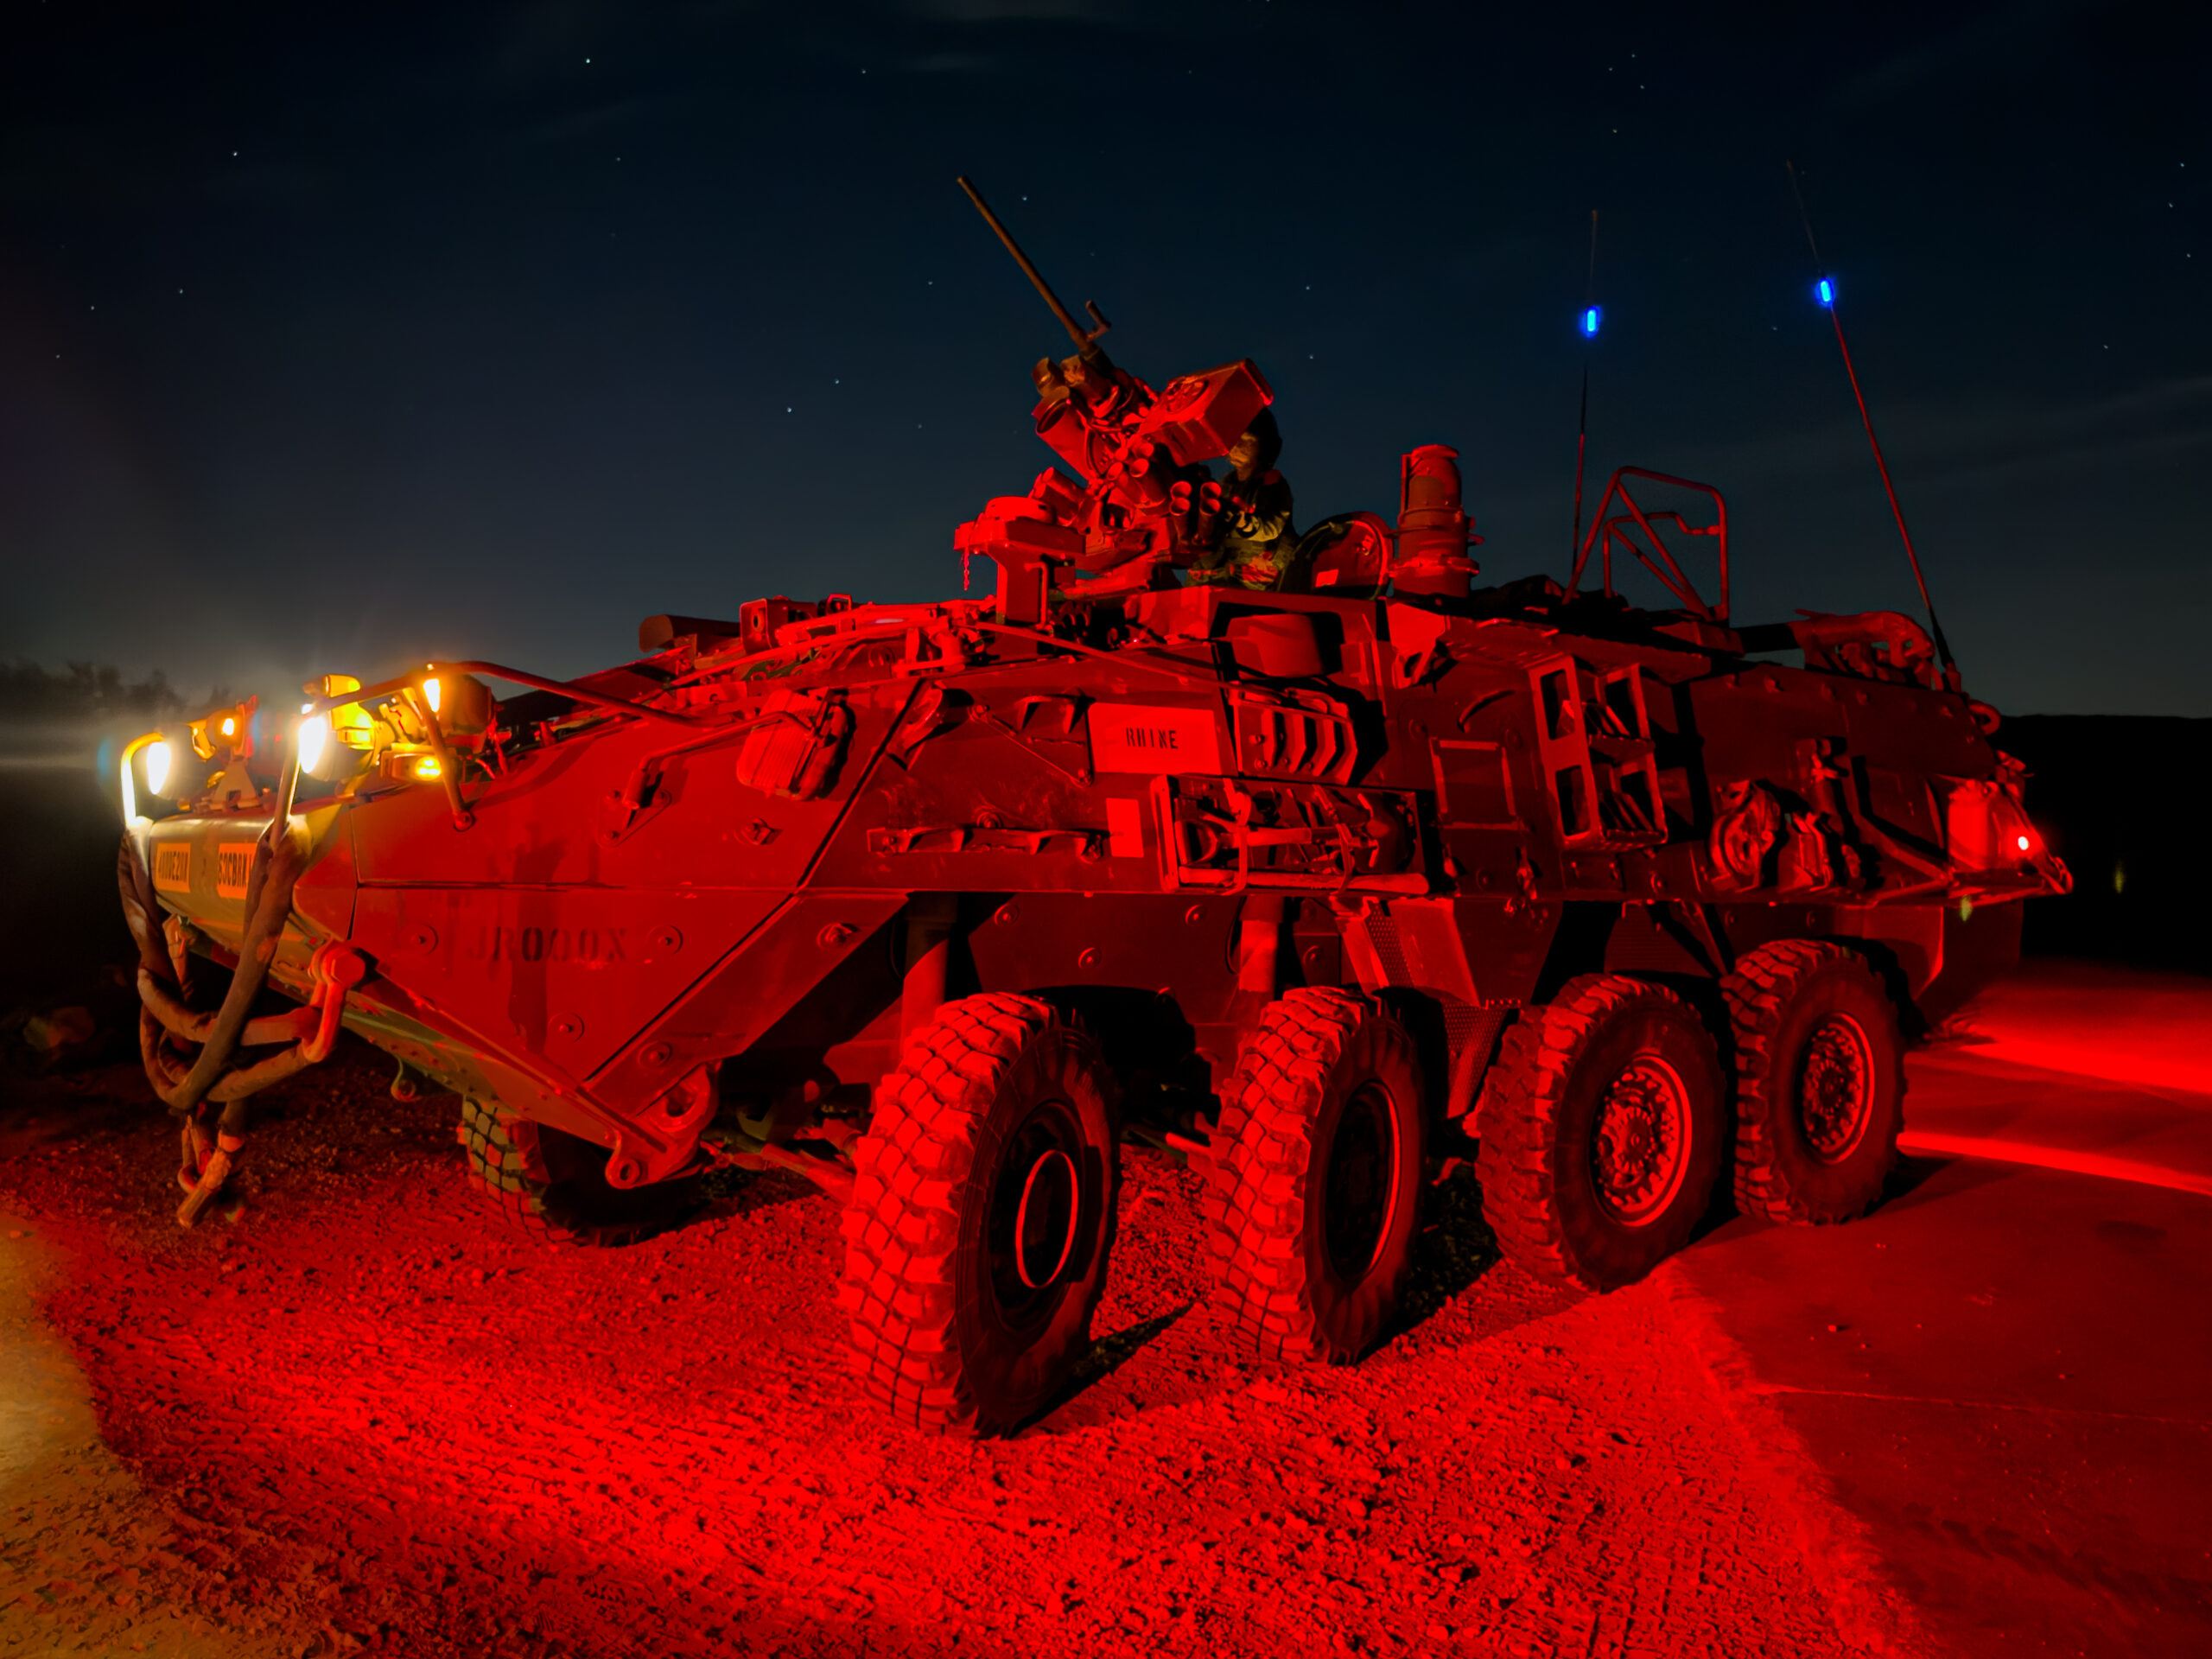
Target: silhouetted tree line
84,691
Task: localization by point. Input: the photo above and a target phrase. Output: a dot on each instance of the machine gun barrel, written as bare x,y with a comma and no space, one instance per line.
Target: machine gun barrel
1085,340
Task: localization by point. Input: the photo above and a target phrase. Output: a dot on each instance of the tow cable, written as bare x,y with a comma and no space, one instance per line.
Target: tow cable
214,1145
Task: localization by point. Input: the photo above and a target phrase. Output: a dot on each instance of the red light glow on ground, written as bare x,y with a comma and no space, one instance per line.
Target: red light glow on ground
394,1425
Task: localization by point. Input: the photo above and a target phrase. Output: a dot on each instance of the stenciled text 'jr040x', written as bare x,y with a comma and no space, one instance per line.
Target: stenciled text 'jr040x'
933,903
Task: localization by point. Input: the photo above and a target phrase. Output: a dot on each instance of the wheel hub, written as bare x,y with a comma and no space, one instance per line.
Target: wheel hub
1359,1192
1036,1220
1640,1144
1836,1089
1044,1227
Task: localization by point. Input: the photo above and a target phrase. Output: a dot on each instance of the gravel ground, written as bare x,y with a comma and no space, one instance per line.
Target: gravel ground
360,1414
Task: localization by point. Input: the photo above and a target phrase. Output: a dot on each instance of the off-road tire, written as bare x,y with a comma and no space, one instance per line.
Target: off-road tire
949,1332
1803,1010
553,1186
1604,1043
1326,1102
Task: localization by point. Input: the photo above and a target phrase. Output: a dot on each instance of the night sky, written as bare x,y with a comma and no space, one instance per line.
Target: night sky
337,342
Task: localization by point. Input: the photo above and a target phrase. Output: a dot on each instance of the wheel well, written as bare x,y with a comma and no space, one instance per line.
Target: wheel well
1578,946
1422,1015
1146,1042
1645,941
1889,968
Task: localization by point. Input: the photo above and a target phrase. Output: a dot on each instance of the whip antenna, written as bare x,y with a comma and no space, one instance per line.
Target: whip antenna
1824,291
1589,324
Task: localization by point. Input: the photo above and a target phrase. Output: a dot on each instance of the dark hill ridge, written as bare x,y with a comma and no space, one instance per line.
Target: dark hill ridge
2124,800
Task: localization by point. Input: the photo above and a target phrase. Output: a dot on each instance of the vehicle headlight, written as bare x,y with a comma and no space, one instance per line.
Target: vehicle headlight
430,692
314,739
350,723
147,749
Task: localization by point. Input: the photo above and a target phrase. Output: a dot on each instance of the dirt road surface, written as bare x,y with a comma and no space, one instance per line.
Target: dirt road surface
363,1416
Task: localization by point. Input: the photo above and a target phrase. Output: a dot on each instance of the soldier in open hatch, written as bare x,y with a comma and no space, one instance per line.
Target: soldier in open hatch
1258,547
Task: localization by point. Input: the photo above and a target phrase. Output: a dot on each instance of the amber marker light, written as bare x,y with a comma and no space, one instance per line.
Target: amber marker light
349,723
427,766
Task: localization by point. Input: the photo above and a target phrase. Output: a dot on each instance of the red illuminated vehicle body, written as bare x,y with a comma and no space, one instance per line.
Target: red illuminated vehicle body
934,904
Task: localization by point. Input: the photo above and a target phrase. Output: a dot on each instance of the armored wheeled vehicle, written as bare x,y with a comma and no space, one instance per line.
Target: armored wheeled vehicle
1311,879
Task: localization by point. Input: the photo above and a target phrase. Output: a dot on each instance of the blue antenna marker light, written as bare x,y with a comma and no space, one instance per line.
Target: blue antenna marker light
1824,291
1590,323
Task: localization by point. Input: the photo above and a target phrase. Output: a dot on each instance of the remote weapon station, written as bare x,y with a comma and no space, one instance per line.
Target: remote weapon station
935,904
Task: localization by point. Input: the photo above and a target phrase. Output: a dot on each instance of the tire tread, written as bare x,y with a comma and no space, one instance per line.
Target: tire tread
1258,1171
1759,994
1522,1098
503,1160
901,1227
